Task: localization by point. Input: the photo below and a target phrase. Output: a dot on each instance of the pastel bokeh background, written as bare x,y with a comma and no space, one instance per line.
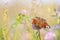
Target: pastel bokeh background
14,28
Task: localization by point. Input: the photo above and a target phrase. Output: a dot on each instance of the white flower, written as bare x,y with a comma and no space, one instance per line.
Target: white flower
24,11
50,36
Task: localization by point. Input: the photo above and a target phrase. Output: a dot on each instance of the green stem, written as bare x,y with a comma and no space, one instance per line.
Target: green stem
37,35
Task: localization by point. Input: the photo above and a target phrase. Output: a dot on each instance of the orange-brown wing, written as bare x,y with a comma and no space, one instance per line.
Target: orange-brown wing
44,24
35,22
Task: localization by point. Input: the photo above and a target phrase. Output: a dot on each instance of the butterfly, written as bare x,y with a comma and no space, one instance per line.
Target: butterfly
40,23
